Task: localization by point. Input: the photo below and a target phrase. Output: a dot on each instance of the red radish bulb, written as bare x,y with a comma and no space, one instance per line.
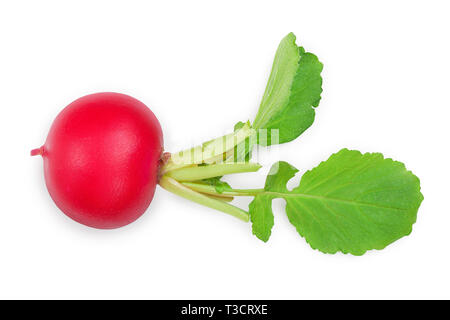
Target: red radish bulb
101,159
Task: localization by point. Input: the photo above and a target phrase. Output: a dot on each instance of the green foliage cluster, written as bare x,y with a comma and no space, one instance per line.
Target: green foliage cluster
350,203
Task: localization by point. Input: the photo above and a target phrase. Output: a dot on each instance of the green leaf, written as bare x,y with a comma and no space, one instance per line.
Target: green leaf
239,126
279,175
219,185
261,215
260,208
351,203
293,91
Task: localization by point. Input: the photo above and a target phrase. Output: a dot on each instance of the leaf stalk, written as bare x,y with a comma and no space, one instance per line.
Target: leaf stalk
179,189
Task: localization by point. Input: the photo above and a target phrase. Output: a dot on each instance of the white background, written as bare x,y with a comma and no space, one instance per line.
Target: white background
201,66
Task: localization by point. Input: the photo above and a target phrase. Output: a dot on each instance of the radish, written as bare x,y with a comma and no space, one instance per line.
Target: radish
101,159
104,156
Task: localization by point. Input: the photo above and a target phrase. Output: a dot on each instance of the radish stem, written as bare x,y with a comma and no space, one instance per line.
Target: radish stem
219,197
208,189
177,188
210,171
213,151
